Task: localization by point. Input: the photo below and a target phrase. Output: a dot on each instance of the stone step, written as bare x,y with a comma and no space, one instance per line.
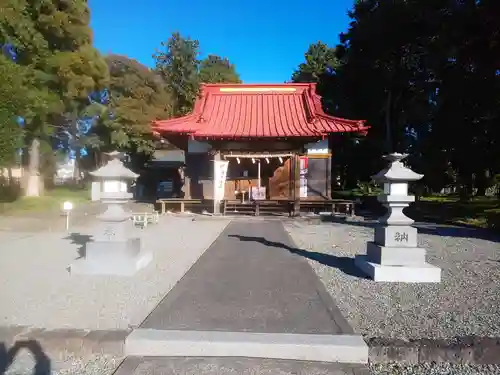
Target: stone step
288,346
231,366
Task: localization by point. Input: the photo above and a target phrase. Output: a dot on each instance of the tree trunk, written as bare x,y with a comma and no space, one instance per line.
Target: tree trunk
76,171
481,183
33,184
466,188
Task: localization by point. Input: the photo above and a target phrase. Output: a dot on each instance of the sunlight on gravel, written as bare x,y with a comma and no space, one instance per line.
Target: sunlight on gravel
466,302
38,291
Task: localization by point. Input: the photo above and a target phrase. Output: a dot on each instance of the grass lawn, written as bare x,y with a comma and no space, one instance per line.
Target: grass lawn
52,200
479,211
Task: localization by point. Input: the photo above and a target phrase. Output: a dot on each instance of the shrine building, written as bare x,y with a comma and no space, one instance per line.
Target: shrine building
276,137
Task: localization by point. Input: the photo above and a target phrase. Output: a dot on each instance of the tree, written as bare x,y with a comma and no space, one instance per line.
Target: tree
424,76
320,60
321,66
138,96
215,69
53,39
13,95
76,68
178,65
25,46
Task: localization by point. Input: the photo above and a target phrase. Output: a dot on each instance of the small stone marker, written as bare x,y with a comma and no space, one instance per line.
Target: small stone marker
394,256
112,252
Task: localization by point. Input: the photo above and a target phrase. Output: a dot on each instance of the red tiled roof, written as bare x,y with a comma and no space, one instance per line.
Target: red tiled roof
258,111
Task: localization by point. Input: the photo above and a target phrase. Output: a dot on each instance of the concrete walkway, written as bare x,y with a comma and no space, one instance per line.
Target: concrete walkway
249,297
249,280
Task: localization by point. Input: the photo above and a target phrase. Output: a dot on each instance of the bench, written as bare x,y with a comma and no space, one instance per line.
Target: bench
180,201
142,219
332,205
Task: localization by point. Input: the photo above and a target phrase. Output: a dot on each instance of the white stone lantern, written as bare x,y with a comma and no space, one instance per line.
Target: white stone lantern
97,187
394,255
111,250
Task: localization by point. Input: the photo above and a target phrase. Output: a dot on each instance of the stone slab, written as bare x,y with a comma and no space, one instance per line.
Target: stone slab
106,251
250,280
396,236
232,366
124,266
423,273
391,256
304,347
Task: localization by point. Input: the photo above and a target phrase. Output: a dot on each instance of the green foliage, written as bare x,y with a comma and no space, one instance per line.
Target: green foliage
479,211
178,65
424,76
138,96
75,67
12,103
215,69
56,70
320,60
53,42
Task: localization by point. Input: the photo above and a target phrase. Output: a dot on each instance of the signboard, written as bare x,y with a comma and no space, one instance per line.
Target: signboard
303,176
220,174
318,148
165,189
258,193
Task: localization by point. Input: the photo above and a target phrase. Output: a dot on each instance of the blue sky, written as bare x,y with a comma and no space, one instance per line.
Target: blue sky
265,39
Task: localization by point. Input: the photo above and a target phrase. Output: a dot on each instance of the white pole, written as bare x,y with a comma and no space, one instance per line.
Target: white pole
215,188
67,221
216,211
258,175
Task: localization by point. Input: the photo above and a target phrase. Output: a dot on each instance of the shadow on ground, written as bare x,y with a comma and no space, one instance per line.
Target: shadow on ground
81,240
42,361
344,264
435,229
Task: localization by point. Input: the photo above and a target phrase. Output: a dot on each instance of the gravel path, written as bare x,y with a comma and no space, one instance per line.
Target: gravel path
433,369
37,290
466,302
67,364
107,365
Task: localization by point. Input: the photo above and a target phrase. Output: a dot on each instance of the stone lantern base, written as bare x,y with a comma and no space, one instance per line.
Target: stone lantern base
119,257
414,273
112,251
394,256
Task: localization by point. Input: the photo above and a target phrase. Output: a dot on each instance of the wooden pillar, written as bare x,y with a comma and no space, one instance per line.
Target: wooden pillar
328,176
334,142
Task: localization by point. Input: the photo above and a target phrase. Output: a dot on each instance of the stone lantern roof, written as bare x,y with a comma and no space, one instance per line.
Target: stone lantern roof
114,169
396,170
